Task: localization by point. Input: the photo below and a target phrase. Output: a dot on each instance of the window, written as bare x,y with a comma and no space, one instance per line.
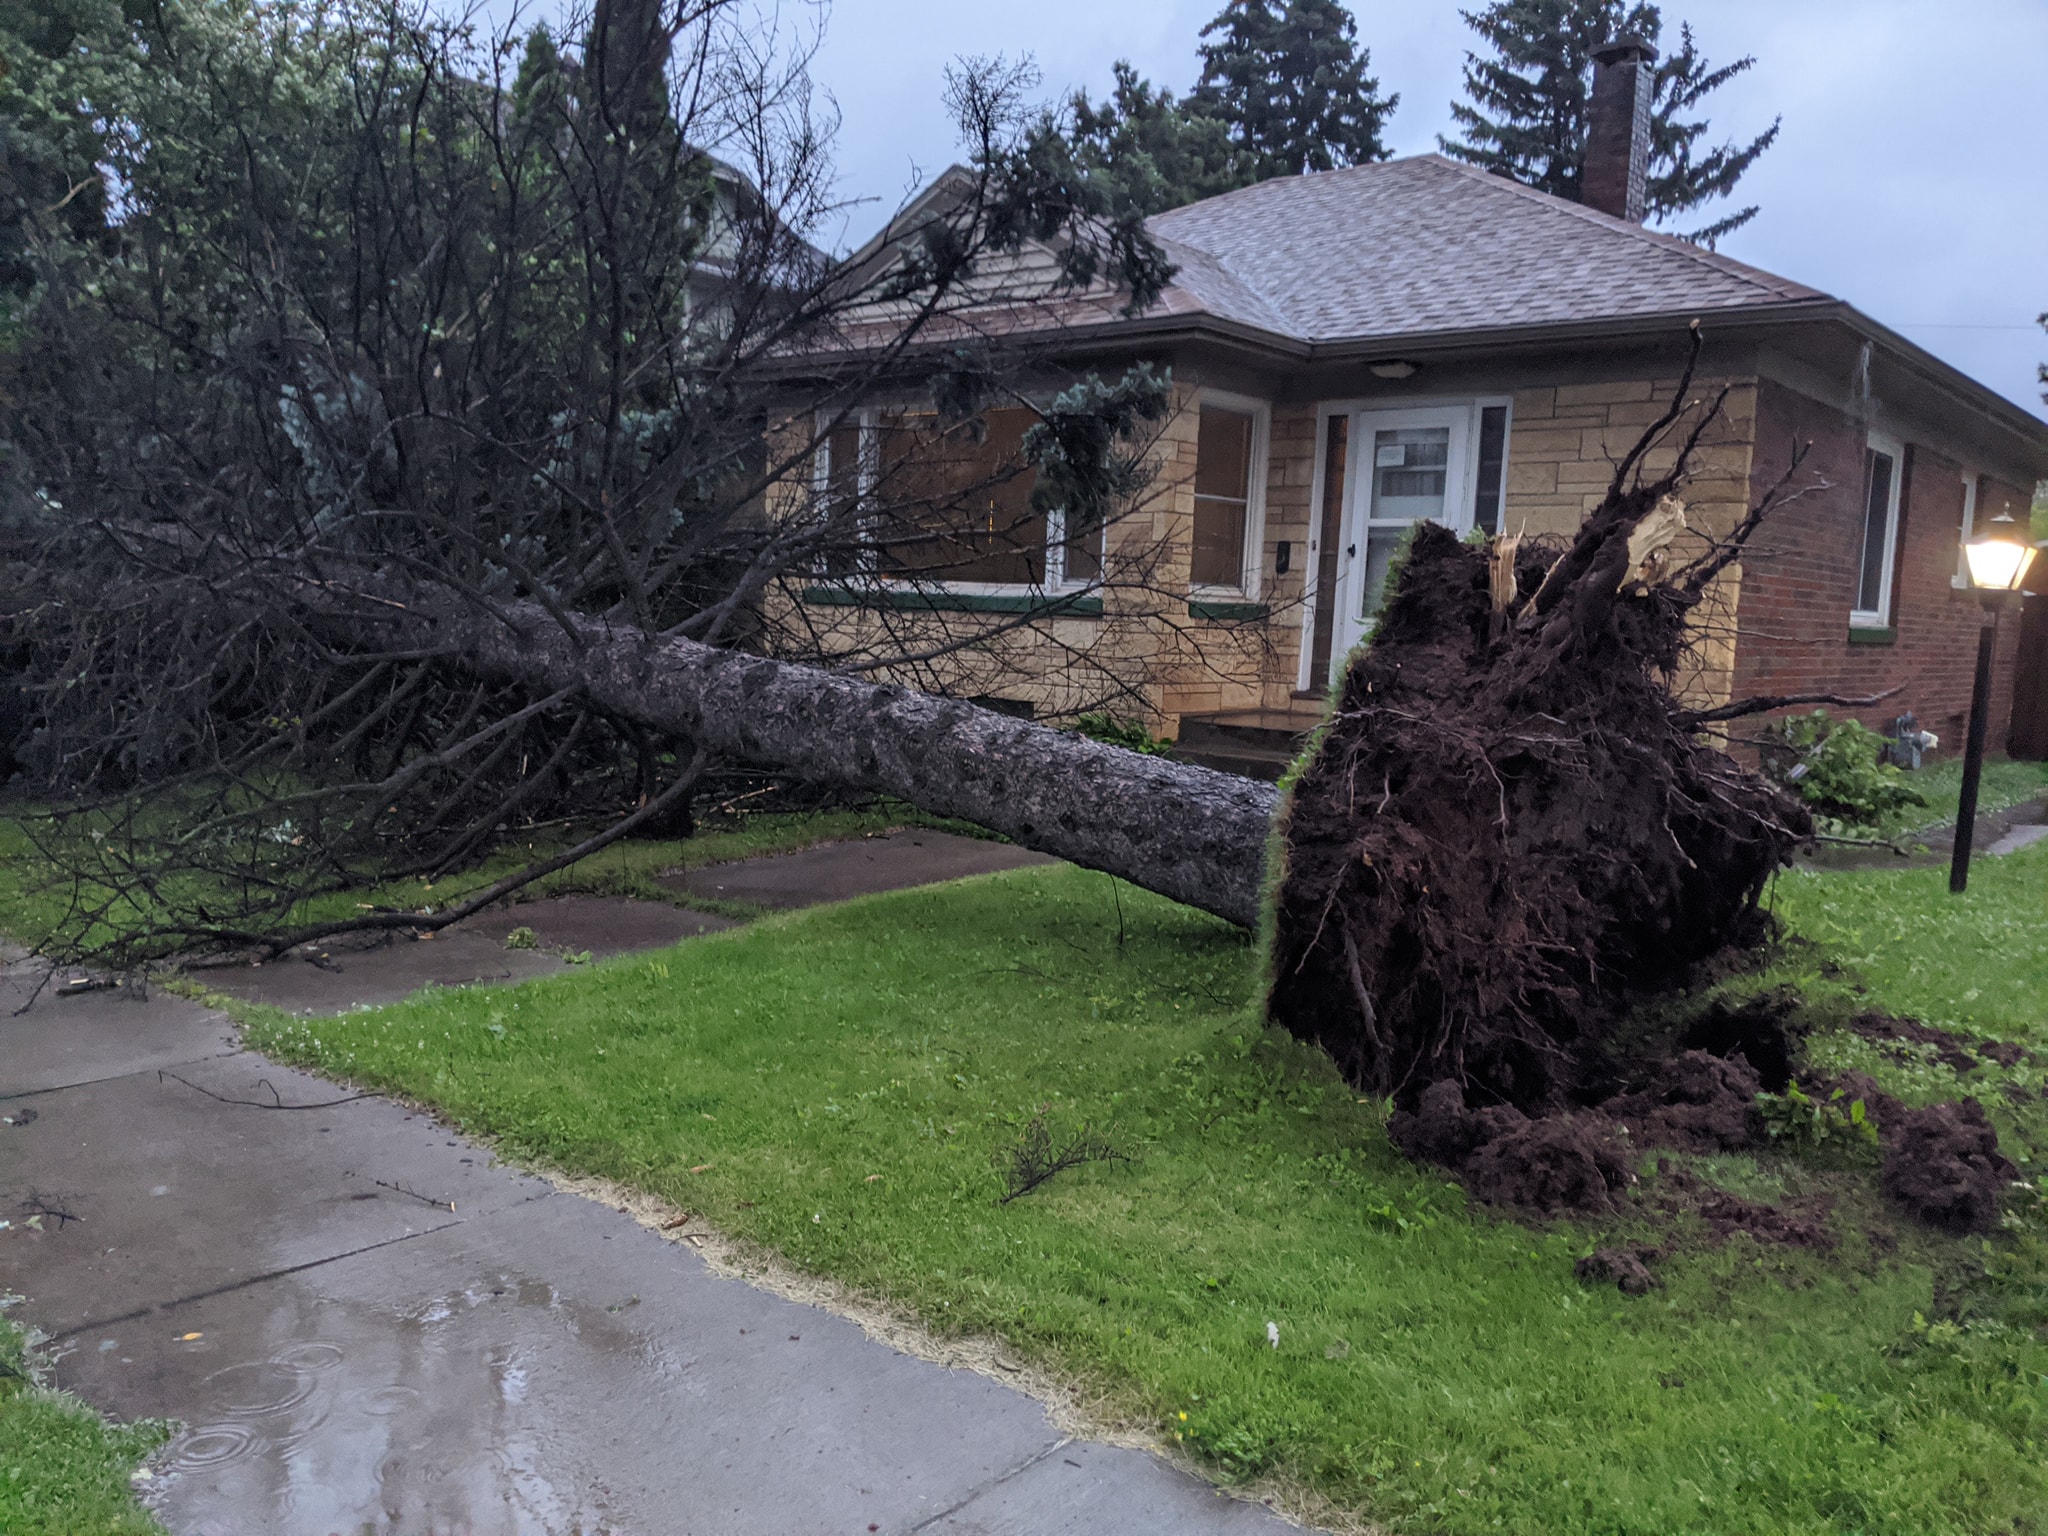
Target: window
1493,465
950,504
1223,496
1880,534
842,480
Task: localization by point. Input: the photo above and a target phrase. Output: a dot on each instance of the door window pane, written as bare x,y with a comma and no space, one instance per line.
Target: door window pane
1410,475
1223,481
1877,531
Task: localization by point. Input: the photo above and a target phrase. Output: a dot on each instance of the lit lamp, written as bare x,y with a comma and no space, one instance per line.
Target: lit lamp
1998,563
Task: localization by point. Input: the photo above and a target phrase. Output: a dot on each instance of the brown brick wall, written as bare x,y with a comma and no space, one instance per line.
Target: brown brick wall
1799,580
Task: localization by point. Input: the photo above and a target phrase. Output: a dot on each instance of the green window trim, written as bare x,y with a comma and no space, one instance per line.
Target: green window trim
1872,635
1203,608
1078,606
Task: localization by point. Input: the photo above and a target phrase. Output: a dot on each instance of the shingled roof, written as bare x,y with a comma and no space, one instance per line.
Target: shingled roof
1425,245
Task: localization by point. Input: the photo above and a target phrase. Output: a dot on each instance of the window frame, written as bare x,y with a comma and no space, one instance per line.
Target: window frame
869,420
863,419
1253,558
1879,617
1972,488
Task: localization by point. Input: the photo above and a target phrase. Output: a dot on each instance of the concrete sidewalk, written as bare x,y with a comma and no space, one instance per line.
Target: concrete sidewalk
368,1326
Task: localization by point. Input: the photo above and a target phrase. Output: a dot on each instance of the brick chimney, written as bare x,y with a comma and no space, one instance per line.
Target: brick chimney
1618,128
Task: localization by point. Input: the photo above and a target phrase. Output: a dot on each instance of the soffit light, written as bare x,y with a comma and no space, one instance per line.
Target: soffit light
1998,561
1394,368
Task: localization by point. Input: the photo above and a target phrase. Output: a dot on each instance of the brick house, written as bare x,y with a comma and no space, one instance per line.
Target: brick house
1357,349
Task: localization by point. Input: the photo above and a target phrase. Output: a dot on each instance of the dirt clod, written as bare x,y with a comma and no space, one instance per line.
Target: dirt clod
1698,1103
1627,1269
1942,1165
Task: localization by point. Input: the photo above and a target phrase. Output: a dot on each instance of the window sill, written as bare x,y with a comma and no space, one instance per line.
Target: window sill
1873,634
1225,608
1051,605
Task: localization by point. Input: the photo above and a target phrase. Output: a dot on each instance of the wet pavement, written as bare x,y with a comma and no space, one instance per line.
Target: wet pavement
888,861
1996,834
365,970
368,1325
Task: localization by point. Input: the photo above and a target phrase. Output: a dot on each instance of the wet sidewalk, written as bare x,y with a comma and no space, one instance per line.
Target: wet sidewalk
367,1325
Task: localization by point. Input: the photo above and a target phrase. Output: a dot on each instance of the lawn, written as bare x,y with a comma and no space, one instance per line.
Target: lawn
36,896
842,1086
63,1470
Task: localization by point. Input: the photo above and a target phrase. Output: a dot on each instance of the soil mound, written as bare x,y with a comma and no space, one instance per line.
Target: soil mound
1700,1103
1942,1165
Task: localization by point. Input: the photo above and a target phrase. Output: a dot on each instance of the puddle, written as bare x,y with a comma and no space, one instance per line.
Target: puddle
420,1420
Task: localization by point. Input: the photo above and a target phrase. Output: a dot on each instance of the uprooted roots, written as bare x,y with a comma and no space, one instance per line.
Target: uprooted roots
1511,826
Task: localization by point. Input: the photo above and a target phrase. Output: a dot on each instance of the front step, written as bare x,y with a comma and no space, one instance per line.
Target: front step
1256,743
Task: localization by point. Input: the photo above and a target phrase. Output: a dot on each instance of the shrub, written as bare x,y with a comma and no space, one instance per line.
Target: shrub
1837,766
1132,735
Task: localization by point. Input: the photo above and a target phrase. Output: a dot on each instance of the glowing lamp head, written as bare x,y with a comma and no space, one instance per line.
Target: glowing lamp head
1999,561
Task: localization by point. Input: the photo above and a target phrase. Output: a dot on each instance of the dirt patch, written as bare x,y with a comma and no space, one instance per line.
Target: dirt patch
1581,1162
1954,1051
1681,1192
1942,1166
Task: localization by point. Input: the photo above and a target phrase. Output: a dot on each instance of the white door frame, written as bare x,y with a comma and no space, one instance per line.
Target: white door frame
1348,629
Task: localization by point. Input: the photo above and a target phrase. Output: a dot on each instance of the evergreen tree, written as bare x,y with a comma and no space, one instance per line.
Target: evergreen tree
1287,79
1525,117
1148,153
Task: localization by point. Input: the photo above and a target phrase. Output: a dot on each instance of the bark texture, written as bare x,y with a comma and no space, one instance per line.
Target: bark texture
1190,833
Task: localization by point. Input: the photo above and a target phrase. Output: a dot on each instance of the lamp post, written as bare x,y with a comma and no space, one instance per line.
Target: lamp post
1998,564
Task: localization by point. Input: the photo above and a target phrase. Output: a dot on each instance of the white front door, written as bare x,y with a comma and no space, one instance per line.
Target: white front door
1405,466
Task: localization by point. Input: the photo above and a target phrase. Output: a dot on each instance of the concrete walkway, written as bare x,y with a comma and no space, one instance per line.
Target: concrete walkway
368,1326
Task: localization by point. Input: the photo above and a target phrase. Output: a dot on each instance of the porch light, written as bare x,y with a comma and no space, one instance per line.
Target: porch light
1998,564
1394,368
1998,561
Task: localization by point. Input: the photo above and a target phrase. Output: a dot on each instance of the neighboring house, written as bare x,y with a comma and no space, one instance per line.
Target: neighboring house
1355,350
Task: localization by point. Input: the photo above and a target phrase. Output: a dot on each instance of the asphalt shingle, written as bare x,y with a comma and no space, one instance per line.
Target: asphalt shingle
1426,245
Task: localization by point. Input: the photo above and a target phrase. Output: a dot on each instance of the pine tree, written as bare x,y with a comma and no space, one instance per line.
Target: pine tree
1287,78
1148,153
1526,113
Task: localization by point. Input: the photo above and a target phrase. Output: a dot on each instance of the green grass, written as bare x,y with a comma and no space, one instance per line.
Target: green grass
64,1471
2004,784
34,894
849,1078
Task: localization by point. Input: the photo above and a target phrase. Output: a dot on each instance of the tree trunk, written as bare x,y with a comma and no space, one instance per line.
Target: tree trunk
1190,833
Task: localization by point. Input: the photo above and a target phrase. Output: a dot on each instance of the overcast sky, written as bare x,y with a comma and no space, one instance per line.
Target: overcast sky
1911,177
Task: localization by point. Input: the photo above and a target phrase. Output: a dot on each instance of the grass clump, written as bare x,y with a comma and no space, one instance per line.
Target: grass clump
64,1471
848,1086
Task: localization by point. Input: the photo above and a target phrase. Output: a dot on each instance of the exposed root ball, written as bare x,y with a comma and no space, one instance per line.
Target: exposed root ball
1511,826
1942,1165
